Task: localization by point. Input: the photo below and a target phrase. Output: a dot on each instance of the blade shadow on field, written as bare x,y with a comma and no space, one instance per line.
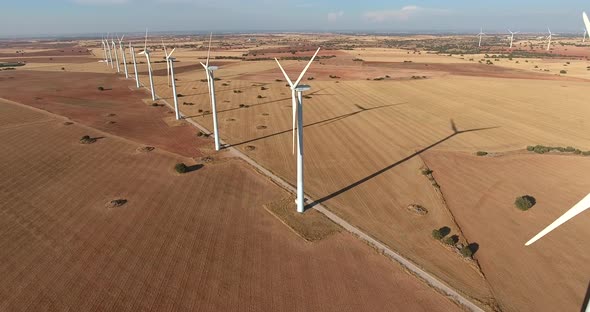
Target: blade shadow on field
321,122
395,164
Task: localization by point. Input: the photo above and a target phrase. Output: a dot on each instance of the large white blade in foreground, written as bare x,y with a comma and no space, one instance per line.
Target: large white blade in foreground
586,22
577,209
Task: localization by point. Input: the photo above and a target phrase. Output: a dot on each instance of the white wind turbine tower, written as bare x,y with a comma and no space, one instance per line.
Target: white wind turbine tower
146,52
211,82
170,60
116,56
512,37
584,36
574,211
549,38
481,33
298,90
167,64
104,48
122,49
110,52
132,50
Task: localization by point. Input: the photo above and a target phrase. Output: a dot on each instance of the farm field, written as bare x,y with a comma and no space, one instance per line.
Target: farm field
375,118
201,241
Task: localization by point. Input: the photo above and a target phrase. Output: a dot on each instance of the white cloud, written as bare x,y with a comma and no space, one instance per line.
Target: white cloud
333,16
403,14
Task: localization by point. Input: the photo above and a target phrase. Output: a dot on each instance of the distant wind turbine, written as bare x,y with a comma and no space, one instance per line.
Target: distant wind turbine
132,50
104,48
481,34
122,49
170,60
167,64
146,52
298,90
116,56
584,36
211,82
574,211
549,38
512,37
110,52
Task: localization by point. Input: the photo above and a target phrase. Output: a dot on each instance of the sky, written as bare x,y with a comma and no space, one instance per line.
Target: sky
70,17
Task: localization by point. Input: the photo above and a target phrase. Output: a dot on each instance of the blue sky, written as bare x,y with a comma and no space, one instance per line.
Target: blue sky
52,17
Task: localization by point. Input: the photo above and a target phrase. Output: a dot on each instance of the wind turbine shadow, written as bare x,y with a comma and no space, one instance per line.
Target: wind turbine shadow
321,122
395,164
236,108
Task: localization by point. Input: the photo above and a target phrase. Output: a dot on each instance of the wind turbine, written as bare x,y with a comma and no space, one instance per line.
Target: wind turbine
132,50
574,211
167,64
122,49
297,97
104,48
211,81
549,38
481,33
110,52
116,56
170,60
146,52
584,36
512,36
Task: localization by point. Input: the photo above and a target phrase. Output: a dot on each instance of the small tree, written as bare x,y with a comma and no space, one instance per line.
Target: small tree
563,71
467,252
101,88
525,202
436,234
181,168
481,153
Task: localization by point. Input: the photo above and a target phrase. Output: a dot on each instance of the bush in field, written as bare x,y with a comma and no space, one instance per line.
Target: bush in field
436,234
525,202
466,252
481,153
451,240
181,168
563,71
100,88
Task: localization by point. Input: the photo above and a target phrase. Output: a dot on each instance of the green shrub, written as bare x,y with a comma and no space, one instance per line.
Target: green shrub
426,171
481,153
181,168
100,88
570,149
451,240
530,148
466,252
563,71
577,152
525,202
586,153
437,234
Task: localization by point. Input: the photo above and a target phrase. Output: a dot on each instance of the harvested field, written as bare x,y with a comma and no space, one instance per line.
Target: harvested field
201,241
75,95
481,192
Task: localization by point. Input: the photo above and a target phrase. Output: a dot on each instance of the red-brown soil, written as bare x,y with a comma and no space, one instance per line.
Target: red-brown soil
197,242
51,59
76,96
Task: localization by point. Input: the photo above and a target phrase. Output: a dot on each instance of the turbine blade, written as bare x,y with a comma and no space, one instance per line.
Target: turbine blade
574,211
146,35
285,74
209,51
295,102
169,55
586,22
306,68
165,50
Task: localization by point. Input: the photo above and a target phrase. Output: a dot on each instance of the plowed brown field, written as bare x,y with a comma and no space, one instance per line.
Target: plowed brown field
197,242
